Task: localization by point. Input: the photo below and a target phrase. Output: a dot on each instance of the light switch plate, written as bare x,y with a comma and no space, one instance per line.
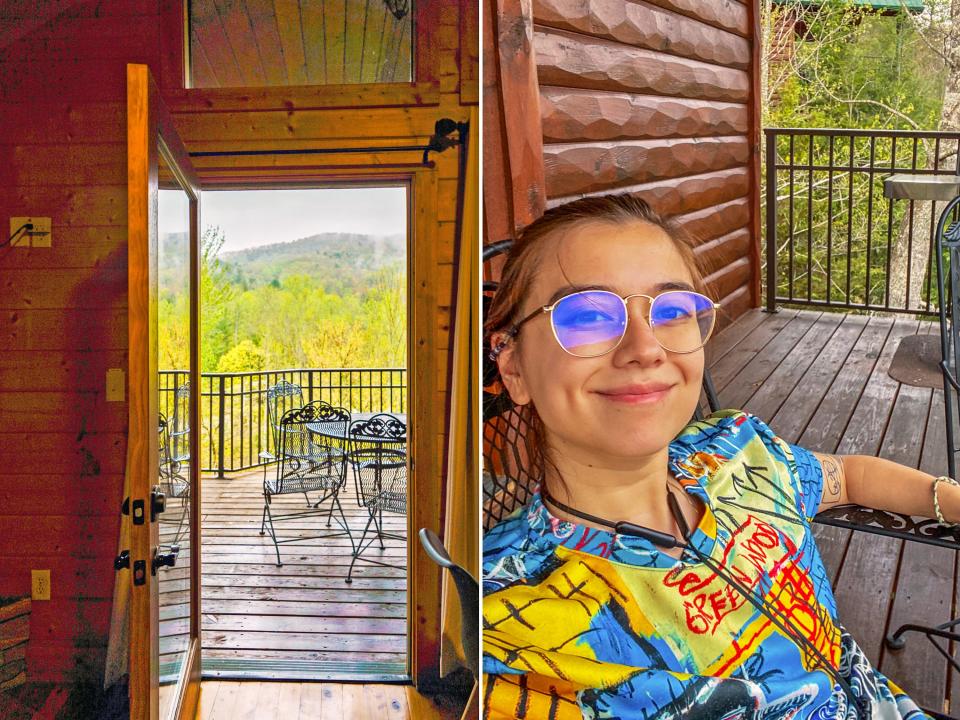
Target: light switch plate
40,584
116,385
40,236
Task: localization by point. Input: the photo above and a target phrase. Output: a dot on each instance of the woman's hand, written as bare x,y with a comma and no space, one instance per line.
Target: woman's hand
884,485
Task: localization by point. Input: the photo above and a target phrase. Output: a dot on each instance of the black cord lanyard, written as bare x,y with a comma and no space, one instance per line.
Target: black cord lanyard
667,541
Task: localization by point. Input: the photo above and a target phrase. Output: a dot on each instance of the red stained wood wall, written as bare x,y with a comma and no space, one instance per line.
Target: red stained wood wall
656,98
63,310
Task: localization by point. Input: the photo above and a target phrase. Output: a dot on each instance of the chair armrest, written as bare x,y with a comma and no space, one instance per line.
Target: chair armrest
267,456
949,375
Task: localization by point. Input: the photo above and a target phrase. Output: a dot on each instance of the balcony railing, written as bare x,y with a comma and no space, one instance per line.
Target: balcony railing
234,413
832,239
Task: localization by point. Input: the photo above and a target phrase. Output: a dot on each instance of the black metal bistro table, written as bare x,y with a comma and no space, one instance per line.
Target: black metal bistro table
341,434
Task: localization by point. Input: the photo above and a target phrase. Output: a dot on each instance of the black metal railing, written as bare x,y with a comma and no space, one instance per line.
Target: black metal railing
832,239
234,415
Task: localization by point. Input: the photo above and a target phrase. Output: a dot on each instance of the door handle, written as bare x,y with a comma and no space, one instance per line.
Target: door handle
164,559
158,502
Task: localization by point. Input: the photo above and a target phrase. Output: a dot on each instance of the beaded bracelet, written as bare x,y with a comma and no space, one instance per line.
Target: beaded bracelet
936,501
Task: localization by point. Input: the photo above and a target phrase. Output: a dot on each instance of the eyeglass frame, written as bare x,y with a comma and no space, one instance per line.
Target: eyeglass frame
515,330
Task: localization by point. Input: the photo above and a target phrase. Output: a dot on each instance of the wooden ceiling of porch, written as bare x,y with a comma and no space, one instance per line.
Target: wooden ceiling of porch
256,43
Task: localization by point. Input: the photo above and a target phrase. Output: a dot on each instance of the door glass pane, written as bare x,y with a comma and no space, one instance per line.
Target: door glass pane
173,363
322,42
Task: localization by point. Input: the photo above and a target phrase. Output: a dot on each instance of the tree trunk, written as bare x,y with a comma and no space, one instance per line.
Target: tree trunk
908,260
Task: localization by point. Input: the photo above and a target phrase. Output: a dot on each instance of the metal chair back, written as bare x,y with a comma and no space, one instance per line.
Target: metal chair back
468,591
948,299
379,459
179,426
306,459
281,397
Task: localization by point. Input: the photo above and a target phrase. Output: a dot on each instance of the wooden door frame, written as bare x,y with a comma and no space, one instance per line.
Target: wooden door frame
148,123
427,426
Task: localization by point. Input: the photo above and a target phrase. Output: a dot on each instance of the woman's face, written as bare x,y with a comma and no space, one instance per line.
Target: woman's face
630,403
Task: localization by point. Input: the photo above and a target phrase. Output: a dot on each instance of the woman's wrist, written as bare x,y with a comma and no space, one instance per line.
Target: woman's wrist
946,496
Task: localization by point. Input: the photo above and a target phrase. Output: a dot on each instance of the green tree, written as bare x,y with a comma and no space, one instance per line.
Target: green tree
216,295
243,357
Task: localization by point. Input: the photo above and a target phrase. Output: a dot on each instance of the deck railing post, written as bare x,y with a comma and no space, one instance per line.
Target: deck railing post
221,432
771,231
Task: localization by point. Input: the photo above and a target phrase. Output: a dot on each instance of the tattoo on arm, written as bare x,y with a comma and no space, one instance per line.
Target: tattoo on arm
832,478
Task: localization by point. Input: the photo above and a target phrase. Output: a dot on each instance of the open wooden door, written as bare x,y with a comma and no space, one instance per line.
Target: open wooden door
163,442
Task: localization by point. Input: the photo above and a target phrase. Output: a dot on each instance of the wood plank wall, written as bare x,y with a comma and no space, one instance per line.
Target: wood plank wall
63,310
652,97
63,318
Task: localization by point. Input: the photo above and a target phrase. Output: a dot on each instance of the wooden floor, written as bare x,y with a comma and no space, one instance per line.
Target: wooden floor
299,621
820,380
221,700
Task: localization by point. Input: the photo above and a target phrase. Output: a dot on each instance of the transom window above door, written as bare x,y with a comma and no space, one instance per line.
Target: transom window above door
260,43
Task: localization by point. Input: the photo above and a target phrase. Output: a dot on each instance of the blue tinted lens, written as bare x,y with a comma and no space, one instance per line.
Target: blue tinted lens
682,320
589,323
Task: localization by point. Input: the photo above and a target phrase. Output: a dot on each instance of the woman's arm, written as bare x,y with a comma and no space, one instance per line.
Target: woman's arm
884,485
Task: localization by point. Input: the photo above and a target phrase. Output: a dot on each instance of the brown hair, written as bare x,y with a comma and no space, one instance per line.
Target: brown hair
521,264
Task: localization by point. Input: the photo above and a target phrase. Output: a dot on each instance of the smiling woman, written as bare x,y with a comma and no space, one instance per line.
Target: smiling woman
666,568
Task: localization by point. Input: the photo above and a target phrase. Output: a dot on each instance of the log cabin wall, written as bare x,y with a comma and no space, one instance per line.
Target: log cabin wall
655,97
63,319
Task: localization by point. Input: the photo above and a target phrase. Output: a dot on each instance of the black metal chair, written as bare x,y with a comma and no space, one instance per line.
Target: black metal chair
304,465
179,429
173,482
948,288
468,591
281,397
379,458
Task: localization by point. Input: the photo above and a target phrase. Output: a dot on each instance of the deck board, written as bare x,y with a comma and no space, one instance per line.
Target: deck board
254,610
820,380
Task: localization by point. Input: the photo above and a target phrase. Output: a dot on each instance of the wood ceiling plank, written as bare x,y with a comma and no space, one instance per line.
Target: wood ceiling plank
263,20
389,45
356,16
207,31
334,17
400,67
374,37
236,24
313,17
202,73
290,28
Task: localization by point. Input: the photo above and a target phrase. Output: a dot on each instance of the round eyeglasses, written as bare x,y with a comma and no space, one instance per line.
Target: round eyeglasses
591,323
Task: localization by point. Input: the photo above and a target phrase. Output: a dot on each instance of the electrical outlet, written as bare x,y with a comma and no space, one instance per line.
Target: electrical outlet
40,584
116,385
40,235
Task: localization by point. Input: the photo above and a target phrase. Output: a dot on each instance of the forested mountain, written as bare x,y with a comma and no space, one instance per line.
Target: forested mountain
342,263
329,300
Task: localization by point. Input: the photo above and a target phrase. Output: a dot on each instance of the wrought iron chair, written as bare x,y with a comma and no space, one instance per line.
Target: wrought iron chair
175,455
379,458
179,429
173,483
948,243
281,397
948,288
305,465
468,591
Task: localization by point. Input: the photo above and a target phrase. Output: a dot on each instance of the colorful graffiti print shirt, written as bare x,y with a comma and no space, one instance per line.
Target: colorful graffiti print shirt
579,622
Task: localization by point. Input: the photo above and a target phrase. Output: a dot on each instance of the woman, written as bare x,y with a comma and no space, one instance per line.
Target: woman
666,569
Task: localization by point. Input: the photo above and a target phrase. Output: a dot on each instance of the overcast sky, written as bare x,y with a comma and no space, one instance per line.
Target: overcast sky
262,217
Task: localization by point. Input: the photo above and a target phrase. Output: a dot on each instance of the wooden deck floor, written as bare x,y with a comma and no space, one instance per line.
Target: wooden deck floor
820,380
319,701
299,621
